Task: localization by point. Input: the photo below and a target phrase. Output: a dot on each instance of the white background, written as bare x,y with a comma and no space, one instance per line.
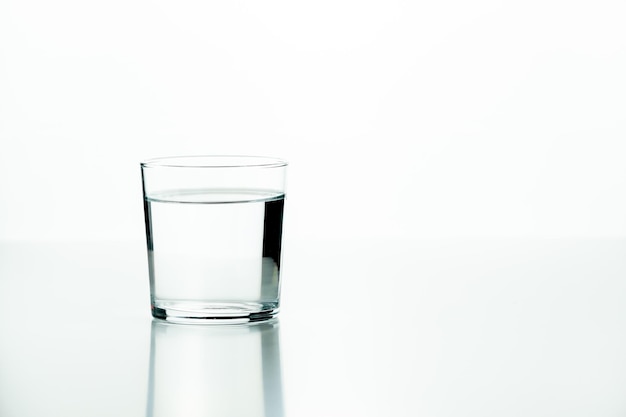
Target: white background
399,118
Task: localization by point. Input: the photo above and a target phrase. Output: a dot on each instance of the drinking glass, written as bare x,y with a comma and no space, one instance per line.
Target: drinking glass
214,233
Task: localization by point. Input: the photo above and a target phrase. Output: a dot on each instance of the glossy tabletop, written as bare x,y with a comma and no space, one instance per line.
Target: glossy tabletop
367,328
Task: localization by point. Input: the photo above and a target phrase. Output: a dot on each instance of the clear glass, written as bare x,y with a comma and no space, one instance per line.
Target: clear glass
214,235
228,370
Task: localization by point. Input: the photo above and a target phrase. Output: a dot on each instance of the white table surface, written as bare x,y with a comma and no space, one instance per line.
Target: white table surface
367,328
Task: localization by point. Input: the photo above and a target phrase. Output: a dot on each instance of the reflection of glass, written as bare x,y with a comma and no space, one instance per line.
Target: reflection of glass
223,370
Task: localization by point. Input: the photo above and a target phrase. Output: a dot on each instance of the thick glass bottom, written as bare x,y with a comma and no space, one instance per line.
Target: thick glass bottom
213,312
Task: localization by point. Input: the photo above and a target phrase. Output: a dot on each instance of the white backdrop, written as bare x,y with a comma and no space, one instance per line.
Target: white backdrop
399,118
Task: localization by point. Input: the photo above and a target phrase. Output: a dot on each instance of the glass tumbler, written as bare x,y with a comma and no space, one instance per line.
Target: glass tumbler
214,231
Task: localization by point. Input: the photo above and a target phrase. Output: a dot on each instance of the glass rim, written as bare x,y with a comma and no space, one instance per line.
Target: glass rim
214,161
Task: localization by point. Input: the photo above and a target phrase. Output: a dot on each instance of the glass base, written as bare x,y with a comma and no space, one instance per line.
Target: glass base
213,312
